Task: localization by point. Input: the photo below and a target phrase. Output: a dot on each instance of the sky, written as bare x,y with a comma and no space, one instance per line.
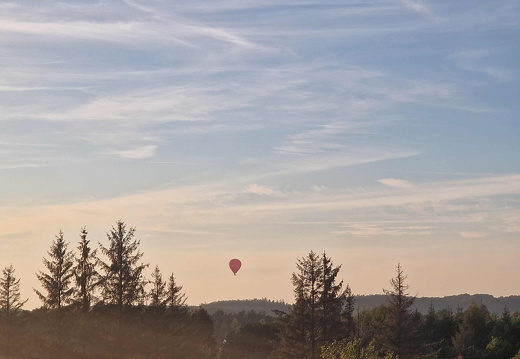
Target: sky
380,132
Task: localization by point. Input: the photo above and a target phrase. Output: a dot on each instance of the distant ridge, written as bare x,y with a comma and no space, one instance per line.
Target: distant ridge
236,306
495,305
462,301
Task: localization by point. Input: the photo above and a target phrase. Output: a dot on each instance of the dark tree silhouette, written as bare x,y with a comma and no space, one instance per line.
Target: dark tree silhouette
10,302
57,282
320,312
85,273
336,310
293,327
175,299
157,295
400,332
122,281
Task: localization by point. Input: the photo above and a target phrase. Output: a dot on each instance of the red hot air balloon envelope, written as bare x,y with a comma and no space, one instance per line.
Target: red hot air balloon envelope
235,265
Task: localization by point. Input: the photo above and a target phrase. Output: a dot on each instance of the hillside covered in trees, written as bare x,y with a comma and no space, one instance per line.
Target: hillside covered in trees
97,303
495,305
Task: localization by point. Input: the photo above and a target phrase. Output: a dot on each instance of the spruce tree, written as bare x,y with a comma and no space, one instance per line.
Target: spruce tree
400,327
175,299
293,327
10,302
333,300
321,312
57,282
158,292
122,281
85,273
347,314
310,276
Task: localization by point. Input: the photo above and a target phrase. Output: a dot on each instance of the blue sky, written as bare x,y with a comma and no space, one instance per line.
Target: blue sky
378,131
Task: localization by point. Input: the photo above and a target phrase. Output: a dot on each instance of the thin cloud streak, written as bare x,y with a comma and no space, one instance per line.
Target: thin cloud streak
195,204
395,182
416,6
138,153
131,33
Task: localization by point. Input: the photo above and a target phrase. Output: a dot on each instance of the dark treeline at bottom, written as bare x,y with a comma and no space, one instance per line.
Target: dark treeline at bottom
325,322
107,333
95,304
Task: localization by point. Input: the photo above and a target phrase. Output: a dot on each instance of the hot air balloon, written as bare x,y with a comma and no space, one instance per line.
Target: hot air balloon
235,265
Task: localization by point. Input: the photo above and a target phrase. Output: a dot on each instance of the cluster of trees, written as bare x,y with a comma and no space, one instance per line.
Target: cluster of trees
97,306
115,279
325,323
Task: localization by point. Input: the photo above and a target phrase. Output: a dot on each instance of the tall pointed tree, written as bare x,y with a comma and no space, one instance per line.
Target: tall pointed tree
400,329
10,302
122,281
311,277
347,314
58,279
319,315
333,300
157,294
175,300
85,273
293,327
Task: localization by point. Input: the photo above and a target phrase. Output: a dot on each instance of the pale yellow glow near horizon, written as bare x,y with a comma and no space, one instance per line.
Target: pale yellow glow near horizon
436,271
183,234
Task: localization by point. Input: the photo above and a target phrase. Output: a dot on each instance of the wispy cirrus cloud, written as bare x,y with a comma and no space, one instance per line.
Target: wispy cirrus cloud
443,193
477,60
157,105
473,234
262,190
135,33
18,166
395,182
138,153
386,229
416,6
217,204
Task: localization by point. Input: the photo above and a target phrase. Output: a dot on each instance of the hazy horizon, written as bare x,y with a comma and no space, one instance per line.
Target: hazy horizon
379,132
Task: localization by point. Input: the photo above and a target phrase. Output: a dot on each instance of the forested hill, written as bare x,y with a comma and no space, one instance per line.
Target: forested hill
462,301
236,306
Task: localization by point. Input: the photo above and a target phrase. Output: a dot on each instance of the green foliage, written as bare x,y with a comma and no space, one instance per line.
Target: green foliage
352,350
252,341
203,328
227,323
438,330
102,335
246,305
474,332
57,282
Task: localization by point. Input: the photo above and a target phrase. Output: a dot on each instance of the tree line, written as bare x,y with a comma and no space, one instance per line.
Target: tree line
117,280
324,322
95,305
